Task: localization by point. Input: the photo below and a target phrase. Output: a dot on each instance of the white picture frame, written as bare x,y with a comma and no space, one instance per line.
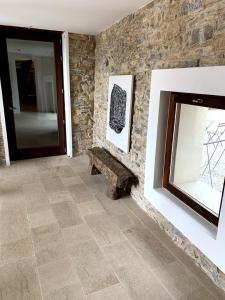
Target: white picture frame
120,100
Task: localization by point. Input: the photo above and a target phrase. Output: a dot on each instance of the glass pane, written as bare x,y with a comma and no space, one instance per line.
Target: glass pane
33,84
198,158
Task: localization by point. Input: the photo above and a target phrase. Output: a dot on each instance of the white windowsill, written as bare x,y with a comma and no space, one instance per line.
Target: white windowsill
192,222
206,196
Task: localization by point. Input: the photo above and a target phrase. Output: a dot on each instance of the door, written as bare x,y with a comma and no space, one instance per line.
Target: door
32,86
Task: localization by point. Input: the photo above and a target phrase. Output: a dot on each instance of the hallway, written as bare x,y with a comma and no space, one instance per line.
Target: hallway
62,238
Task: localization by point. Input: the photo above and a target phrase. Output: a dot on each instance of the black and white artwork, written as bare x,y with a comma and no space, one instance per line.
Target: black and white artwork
119,111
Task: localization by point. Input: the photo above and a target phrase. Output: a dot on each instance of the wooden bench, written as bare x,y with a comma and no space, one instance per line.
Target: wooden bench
119,177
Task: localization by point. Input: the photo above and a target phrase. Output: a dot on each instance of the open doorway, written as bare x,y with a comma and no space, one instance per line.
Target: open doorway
33,93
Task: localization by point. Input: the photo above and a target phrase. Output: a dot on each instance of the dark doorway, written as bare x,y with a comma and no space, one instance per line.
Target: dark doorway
26,85
31,76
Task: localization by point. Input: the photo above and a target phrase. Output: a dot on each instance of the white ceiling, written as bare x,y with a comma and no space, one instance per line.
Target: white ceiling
80,16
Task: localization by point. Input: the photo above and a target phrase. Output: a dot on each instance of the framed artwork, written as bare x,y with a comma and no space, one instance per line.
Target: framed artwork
119,111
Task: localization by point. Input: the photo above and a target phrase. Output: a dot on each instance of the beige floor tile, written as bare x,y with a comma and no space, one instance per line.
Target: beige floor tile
141,283
8,185
60,197
34,187
152,251
53,184
90,179
96,188
70,292
36,202
207,283
71,181
27,178
106,232
48,244
177,280
66,214
114,208
52,251
90,207
133,247
56,274
82,159
188,263
126,221
45,163
79,168
80,193
19,281
12,198
41,218
13,225
200,294
57,171
44,236
156,230
77,234
17,180
24,167
150,223
93,271
80,165
121,254
173,248
14,251
63,171
114,292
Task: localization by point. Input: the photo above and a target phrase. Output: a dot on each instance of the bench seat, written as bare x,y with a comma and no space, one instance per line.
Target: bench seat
120,179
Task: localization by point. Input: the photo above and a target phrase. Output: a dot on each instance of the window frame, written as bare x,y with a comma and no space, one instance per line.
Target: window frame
196,100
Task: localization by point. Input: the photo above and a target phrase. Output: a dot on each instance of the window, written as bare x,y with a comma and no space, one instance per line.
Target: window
194,168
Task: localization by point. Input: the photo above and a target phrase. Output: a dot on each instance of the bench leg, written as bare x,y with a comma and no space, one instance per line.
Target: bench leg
94,170
113,192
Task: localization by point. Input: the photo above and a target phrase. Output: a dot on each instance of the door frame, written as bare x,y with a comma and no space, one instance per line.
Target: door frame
65,82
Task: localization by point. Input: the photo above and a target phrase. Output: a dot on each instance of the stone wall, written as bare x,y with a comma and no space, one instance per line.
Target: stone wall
82,65
164,34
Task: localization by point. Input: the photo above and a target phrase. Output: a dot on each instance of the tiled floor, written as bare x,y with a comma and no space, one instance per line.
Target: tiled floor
61,238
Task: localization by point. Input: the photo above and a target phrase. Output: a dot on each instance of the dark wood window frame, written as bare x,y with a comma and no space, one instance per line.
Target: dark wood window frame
189,99
37,35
